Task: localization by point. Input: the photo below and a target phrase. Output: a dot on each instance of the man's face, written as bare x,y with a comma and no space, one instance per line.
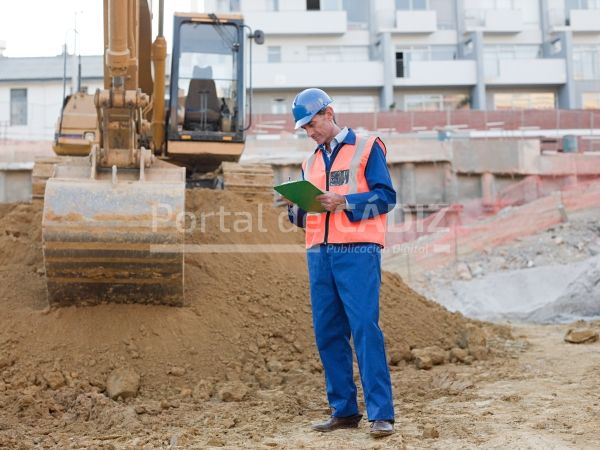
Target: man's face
321,127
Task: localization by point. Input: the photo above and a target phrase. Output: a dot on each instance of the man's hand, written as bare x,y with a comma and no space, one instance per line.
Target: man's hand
332,201
285,201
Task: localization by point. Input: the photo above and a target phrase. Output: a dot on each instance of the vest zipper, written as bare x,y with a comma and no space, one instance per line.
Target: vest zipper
328,212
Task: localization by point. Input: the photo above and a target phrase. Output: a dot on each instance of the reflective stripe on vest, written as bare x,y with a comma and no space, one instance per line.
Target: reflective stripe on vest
346,176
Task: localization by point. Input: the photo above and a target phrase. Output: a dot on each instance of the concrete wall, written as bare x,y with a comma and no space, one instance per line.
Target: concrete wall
15,182
427,173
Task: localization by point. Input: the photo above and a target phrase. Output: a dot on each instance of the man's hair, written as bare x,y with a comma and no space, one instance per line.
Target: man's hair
322,111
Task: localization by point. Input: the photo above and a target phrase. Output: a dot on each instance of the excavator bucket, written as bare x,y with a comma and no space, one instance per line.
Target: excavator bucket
115,237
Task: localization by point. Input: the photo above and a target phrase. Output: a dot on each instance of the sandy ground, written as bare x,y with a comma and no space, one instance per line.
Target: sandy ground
237,368
547,395
537,392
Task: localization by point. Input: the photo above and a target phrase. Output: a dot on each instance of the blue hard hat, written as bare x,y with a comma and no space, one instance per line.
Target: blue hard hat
308,103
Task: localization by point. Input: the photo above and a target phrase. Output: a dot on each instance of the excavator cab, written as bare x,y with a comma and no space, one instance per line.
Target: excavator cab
206,102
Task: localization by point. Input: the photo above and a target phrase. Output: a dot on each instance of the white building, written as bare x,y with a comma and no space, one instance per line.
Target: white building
426,54
32,92
377,55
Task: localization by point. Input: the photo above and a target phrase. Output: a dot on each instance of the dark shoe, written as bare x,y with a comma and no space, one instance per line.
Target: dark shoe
335,423
381,428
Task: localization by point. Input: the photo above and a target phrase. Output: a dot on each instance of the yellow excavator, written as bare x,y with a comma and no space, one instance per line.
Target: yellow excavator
113,205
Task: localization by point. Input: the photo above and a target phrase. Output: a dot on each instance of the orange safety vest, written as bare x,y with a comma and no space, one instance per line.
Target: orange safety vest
347,176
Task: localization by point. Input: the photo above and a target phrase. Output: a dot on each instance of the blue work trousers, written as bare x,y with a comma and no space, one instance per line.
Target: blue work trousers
344,290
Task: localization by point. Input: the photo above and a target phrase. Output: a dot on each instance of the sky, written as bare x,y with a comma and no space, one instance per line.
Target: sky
41,27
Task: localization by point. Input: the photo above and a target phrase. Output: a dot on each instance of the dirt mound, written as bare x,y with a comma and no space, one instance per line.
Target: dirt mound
244,336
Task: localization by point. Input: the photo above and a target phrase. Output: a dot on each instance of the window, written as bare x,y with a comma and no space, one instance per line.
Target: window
355,103
494,4
330,5
446,14
590,100
313,5
426,53
357,11
278,106
274,54
586,63
322,5
407,5
583,4
272,5
400,73
435,102
407,55
332,53
18,107
493,54
228,5
525,100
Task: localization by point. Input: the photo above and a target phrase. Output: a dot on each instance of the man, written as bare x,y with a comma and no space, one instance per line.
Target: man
344,261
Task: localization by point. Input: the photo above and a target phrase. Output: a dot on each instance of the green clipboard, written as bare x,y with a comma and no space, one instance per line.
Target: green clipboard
303,193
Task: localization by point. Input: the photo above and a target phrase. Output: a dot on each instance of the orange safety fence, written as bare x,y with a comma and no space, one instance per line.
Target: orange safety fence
455,232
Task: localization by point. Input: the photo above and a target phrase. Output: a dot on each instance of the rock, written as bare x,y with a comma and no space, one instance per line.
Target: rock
438,356
267,380
6,361
168,404
558,240
228,422
274,366
463,271
152,408
232,392
185,392
435,354
400,352
122,382
55,379
581,336
423,362
479,352
176,371
472,336
430,432
594,249
203,391
215,442
477,271
458,354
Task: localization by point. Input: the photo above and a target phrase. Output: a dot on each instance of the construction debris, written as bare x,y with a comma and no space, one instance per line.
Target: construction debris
581,336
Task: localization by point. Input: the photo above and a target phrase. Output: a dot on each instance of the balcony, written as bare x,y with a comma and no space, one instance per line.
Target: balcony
439,73
302,74
415,22
494,21
323,23
585,20
526,71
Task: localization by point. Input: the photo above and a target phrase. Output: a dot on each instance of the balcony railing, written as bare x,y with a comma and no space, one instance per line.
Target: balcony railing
416,22
525,71
298,22
494,20
439,73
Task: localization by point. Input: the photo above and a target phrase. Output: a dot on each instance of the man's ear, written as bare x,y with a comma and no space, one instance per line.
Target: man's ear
329,113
